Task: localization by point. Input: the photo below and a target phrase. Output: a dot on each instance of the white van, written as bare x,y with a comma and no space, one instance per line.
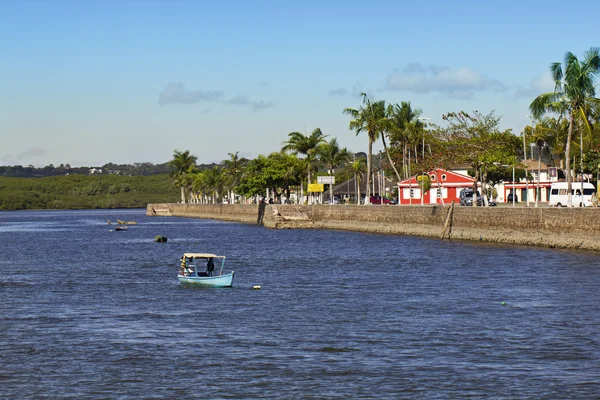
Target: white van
558,194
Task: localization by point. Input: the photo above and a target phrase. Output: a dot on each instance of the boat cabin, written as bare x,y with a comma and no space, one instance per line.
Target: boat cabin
201,264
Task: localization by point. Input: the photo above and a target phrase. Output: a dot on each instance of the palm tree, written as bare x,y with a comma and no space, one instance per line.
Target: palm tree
357,167
183,164
306,145
233,167
333,156
370,117
403,128
574,94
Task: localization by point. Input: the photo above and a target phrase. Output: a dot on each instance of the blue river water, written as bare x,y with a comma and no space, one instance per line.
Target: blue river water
89,312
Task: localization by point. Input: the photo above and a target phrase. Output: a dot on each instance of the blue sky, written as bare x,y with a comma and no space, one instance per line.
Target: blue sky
91,82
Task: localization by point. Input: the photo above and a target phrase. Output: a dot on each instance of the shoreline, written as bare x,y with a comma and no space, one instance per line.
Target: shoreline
540,227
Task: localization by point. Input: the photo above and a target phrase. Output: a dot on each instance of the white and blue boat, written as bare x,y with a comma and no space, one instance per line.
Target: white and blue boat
199,269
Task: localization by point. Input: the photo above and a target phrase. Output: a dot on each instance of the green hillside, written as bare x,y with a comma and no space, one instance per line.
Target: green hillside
85,192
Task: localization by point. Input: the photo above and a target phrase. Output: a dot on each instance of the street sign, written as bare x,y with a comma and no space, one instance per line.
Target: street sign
329,180
315,187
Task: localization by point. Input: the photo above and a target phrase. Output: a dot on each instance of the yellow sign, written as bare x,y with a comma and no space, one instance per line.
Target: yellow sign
315,187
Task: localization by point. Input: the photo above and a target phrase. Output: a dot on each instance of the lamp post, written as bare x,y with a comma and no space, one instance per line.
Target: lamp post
581,158
598,180
423,155
513,191
540,145
525,159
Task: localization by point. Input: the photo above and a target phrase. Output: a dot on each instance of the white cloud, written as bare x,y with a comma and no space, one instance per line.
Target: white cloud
256,105
462,82
542,84
175,93
355,91
338,92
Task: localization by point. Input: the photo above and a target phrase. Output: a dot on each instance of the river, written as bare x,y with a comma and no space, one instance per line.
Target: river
90,312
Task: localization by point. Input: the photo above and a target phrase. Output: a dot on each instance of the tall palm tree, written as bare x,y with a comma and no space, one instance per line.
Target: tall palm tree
333,156
183,164
370,118
305,145
403,128
574,94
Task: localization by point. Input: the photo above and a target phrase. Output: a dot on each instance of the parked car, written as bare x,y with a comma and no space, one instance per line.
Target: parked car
466,199
509,198
376,200
335,200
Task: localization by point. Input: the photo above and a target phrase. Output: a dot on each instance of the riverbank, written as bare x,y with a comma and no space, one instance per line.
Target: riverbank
547,227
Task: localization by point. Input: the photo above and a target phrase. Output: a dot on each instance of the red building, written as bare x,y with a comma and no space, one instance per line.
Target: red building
444,184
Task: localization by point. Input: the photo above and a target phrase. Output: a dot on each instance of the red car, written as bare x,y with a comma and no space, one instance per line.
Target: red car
376,200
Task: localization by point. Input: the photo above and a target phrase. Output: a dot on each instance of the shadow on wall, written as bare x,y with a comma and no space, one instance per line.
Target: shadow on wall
261,212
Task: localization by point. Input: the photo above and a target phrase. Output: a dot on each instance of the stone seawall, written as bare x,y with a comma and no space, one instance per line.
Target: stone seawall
549,227
226,212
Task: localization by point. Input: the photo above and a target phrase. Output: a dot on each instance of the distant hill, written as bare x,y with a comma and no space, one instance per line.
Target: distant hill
85,192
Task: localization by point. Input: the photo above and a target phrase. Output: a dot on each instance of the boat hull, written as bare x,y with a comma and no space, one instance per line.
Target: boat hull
225,280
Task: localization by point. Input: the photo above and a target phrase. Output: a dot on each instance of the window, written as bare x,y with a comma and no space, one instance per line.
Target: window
432,177
443,177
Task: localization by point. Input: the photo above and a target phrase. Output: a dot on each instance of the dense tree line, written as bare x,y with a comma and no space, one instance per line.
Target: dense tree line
85,192
136,169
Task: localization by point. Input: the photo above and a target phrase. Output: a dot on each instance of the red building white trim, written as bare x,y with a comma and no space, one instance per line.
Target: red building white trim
444,183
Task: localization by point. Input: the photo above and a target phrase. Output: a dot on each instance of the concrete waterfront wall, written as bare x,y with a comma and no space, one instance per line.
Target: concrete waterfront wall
577,228
226,212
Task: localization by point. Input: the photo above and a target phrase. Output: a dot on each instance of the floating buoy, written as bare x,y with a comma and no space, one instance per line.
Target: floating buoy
256,287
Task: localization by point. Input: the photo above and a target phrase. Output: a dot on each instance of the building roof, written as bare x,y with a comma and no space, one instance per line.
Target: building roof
447,178
348,187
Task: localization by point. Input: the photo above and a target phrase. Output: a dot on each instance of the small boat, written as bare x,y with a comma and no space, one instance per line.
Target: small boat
160,239
199,269
120,228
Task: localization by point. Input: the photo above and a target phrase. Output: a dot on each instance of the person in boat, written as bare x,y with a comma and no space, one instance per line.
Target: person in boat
210,267
183,266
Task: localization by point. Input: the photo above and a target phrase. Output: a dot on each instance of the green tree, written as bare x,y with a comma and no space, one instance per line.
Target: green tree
358,169
404,130
183,164
369,118
232,172
475,140
574,95
332,156
254,181
306,145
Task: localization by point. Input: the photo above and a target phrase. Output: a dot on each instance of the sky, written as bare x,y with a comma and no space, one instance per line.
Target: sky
90,82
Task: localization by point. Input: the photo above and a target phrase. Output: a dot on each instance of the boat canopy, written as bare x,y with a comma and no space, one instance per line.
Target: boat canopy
201,255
